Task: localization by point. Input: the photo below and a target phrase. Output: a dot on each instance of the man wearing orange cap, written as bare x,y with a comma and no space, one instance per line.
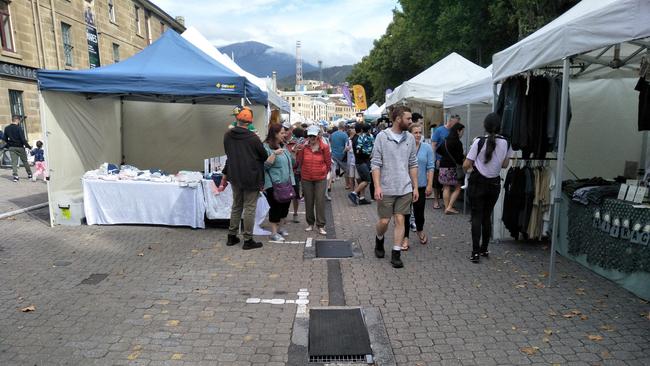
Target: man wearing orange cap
244,169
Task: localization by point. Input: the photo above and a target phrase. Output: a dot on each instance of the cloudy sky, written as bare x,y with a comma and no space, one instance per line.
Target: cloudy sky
338,32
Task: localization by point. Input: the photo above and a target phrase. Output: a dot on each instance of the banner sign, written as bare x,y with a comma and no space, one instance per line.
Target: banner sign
359,97
346,94
91,35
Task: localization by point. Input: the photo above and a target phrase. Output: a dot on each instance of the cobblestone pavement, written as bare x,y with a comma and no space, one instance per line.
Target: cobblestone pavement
177,296
21,194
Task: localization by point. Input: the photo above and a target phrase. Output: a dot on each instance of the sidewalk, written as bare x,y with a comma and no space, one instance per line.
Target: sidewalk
21,194
177,296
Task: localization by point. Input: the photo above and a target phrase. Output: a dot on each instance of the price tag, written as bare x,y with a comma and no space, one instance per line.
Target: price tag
622,192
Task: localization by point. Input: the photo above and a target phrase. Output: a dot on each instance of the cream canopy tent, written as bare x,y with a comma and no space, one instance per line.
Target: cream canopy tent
171,116
197,39
596,46
476,91
429,86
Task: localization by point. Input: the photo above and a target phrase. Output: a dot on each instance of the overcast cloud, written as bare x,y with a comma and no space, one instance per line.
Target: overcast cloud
339,32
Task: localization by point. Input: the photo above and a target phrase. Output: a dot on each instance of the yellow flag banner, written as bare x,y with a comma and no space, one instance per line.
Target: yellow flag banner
359,97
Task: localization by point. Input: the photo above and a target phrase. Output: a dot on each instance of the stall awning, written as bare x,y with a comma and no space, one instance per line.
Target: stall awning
169,66
479,90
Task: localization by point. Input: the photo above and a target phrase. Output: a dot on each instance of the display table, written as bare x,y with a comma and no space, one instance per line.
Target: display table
618,255
218,206
143,202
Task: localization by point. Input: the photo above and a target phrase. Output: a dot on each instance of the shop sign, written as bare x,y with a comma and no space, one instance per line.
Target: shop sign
91,35
17,71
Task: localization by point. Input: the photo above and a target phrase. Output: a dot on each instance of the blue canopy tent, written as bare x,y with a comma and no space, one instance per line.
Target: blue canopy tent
166,107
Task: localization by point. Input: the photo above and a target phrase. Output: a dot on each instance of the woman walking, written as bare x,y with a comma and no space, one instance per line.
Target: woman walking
315,158
277,171
451,152
485,159
426,165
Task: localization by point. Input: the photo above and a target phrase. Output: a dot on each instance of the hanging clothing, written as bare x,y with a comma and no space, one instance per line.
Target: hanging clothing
643,87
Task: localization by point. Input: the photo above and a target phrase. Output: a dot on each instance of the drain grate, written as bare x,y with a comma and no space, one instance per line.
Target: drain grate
94,279
329,359
338,335
333,249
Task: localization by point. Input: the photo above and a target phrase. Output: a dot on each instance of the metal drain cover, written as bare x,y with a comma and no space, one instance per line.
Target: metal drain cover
333,249
338,335
94,279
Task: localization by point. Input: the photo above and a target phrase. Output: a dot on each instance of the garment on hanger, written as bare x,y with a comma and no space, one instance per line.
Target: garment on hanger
643,87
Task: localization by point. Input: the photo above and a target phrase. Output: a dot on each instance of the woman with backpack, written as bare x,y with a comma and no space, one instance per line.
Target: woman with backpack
485,159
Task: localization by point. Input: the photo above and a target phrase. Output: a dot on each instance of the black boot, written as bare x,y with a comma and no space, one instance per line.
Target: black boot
251,244
379,248
232,240
395,259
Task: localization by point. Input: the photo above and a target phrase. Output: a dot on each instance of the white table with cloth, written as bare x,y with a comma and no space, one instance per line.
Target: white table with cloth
218,206
143,202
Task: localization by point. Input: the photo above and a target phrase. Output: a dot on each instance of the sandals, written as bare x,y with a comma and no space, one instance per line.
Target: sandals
437,206
405,245
451,211
423,239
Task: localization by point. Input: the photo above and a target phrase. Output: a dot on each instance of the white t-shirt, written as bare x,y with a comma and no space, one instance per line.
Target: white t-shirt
493,167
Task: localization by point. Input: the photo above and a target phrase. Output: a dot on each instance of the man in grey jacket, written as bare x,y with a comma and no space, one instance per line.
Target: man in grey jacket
395,176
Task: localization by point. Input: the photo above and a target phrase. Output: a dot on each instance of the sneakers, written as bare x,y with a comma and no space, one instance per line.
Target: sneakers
395,259
379,247
321,230
29,176
353,198
364,201
413,227
251,244
15,178
474,258
283,232
232,240
485,253
327,196
295,218
309,228
276,237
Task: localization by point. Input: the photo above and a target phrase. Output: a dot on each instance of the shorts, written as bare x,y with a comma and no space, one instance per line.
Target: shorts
391,205
363,171
352,171
436,174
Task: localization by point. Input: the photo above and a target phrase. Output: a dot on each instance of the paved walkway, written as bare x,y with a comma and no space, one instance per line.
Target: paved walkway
177,296
21,194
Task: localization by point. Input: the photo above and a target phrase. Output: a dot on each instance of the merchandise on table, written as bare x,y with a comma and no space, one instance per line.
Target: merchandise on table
111,172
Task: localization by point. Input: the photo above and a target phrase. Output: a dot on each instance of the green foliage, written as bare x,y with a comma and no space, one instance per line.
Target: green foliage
425,31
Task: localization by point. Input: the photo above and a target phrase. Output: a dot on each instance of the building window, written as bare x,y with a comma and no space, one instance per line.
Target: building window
137,20
17,106
147,25
116,52
67,43
111,11
5,27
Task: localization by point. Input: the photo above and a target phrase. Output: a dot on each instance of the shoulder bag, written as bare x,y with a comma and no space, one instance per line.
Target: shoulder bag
283,192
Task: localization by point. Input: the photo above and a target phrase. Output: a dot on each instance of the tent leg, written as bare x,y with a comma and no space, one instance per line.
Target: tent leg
559,168
494,97
467,137
45,132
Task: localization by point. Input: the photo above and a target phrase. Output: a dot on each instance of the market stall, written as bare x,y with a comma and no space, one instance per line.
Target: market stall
596,47
149,111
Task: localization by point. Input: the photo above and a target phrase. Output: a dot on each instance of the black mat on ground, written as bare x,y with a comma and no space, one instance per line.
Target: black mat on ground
337,332
333,249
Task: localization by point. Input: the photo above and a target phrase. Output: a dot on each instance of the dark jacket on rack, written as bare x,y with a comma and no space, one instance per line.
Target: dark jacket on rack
246,155
451,150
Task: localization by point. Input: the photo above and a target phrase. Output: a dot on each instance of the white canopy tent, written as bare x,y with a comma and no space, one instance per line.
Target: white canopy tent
197,39
476,91
429,86
596,46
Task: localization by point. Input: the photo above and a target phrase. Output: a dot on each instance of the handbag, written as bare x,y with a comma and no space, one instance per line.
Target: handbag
283,192
460,172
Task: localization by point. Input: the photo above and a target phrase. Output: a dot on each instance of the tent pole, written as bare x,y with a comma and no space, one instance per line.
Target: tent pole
467,137
46,134
494,97
560,167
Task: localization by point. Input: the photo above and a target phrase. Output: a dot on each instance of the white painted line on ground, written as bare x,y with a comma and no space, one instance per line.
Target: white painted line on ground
286,242
302,301
308,243
22,210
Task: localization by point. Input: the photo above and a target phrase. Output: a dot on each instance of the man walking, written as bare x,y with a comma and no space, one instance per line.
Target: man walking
245,170
16,144
395,176
338,140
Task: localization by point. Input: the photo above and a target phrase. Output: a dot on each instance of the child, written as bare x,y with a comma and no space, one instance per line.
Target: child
39,161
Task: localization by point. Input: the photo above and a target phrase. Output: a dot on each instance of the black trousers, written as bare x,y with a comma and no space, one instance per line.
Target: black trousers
277,211
483,194
418,212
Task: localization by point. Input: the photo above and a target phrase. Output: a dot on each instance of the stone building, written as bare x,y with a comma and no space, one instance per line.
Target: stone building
67,35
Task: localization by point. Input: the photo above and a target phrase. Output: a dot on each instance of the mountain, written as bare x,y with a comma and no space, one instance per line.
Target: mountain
261,60
333,75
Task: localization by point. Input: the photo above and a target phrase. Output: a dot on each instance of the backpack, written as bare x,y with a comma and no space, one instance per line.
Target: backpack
482,139
365,144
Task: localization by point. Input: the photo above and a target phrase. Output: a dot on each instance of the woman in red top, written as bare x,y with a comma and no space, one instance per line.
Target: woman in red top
315,161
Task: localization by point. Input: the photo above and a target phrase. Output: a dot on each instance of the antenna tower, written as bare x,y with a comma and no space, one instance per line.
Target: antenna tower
298,66
320,71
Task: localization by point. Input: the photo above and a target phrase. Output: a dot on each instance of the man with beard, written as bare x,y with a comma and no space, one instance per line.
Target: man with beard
395,176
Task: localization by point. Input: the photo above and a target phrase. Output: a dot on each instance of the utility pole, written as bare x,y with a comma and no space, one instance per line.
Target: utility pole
298,67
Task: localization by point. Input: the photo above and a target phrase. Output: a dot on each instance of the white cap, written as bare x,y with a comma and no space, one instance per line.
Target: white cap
286,124
313,130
